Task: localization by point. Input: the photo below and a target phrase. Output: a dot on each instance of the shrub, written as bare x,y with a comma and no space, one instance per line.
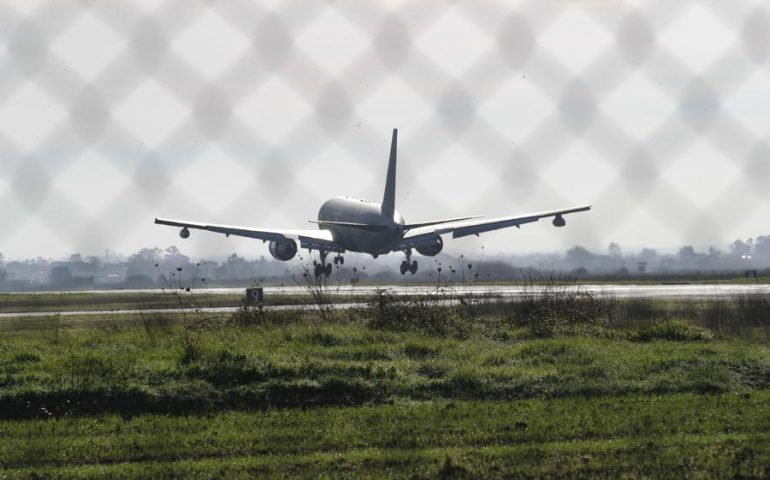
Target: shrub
559,310
419,352
419,314
191,352
245,316
25,357
717,314
671,330
89,371
753,310
636,309
157,324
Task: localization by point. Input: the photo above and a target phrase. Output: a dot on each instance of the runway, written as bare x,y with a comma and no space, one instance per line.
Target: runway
617,290
480,292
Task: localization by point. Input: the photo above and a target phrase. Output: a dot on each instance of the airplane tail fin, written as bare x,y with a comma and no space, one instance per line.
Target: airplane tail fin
389,198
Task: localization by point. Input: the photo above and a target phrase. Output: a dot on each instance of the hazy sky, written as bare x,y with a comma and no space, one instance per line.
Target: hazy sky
254,113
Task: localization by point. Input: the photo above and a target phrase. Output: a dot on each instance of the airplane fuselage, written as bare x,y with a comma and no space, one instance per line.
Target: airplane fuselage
376,239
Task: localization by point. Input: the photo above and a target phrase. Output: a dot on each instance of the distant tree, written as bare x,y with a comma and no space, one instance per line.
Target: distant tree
714,252
206,270
235,268
615,250
154,254
143,264
496,269
686,252
623,272
739,248
689,258
648,255
761,246
579,256
175,256
95,261
61,275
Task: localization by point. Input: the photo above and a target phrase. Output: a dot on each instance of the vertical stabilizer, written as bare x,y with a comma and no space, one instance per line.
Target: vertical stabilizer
389,199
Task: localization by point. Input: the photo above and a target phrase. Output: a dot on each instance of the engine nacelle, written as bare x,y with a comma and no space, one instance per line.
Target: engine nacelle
558,221
431,249
184,233
283,250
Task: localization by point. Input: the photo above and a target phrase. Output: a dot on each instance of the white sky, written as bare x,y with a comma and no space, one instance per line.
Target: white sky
254,113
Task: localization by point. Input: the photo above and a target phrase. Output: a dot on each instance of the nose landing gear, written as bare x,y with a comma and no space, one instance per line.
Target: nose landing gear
408,265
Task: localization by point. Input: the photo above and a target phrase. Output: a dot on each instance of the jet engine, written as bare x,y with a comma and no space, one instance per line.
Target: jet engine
184,233
558,221
431,249
283,250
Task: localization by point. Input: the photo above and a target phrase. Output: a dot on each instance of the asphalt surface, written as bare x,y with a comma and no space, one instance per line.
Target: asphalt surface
625,290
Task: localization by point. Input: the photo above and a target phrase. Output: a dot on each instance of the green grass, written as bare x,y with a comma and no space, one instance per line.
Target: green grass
163,368
397,390
660,436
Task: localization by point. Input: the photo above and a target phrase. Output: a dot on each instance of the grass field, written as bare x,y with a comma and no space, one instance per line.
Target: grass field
566,386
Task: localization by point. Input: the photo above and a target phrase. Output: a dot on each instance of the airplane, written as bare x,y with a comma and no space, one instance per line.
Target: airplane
350,224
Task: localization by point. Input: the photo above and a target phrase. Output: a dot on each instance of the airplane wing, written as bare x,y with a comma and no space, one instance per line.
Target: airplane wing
422,235
309,239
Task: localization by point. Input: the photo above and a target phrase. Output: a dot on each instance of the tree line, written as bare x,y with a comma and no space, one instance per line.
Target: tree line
154,267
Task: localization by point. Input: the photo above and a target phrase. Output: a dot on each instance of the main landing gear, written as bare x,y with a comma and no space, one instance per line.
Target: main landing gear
408,265
322,268
325,269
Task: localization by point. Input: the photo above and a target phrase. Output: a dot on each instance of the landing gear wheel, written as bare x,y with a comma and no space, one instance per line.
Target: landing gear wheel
321,270
321,267
408,265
